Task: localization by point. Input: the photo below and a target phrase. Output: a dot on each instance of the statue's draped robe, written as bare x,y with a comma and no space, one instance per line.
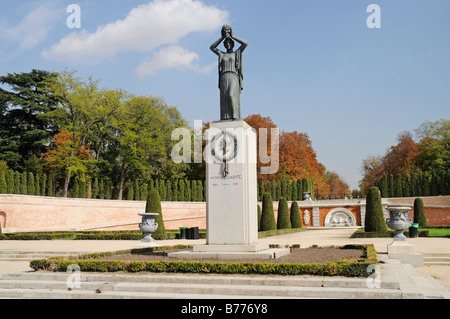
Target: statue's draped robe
230,84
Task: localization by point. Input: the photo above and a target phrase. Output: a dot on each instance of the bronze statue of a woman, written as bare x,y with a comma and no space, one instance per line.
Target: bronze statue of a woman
230,74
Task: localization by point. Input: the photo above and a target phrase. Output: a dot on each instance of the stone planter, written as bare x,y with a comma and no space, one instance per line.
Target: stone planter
398,220
306,196
148,226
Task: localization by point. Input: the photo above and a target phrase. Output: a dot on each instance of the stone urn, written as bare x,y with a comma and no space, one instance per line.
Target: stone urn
306,196
148,226
398,220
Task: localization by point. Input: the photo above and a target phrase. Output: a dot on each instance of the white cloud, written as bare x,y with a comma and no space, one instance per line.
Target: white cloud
30,31
172,57
145,28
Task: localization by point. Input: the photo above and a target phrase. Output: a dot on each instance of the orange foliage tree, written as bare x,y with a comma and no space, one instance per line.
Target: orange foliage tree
297,158
67,154
259,123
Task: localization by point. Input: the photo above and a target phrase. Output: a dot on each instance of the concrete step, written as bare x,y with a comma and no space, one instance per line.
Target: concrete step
295,281
18,255
54,285
436,258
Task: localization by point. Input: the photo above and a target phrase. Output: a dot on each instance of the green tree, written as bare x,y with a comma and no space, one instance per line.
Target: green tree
187,191
294,191
259,217
3,187
169,193
296,221
406,185
81,106
399,186
391,187
419,213
283,220
17,183
384,187
10,181
95,188
267,215
24,184
24,133
44,185
374,219
181,192
413,191
153,205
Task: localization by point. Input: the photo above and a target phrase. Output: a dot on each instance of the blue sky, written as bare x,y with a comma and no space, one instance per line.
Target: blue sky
313,66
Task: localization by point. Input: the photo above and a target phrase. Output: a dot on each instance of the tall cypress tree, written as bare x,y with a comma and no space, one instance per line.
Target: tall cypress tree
296,221
294,191
181,185
267,215
10,181
24,184
30,186
399,186
384,186
44,185
374,219
17,183
283,220
391,186
419,213
153,205
3,187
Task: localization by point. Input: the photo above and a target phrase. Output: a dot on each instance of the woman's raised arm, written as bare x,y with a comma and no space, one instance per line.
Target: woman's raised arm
214,46
241,42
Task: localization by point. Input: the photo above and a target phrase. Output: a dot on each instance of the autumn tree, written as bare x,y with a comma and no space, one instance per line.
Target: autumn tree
338,187
264,128
299,160
67,155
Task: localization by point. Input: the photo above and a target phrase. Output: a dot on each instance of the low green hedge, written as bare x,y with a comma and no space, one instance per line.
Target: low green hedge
276,232
91,235
360,233
348,268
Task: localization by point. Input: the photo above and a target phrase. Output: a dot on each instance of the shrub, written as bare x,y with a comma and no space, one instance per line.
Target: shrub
349,268
384,187
283,220
296,221
153,205
259,217
267,214
374,220
419,213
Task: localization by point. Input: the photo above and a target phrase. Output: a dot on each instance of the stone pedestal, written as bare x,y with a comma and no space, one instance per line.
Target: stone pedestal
231,196
231,191
404,252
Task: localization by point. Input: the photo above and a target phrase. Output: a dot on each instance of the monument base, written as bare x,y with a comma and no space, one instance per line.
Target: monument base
253,251
404,252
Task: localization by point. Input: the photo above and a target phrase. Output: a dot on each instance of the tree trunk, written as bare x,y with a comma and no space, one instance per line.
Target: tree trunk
66,184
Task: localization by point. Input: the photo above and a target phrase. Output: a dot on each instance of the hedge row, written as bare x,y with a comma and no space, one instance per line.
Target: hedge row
97,235
360,233
348,268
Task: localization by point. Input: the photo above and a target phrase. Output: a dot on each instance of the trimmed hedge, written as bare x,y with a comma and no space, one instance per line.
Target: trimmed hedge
348,268
360,233
374,219
92,235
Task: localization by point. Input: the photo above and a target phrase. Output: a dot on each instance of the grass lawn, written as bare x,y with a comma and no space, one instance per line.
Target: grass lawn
437,232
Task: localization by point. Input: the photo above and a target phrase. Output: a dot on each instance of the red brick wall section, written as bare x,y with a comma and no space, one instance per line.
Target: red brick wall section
437,208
